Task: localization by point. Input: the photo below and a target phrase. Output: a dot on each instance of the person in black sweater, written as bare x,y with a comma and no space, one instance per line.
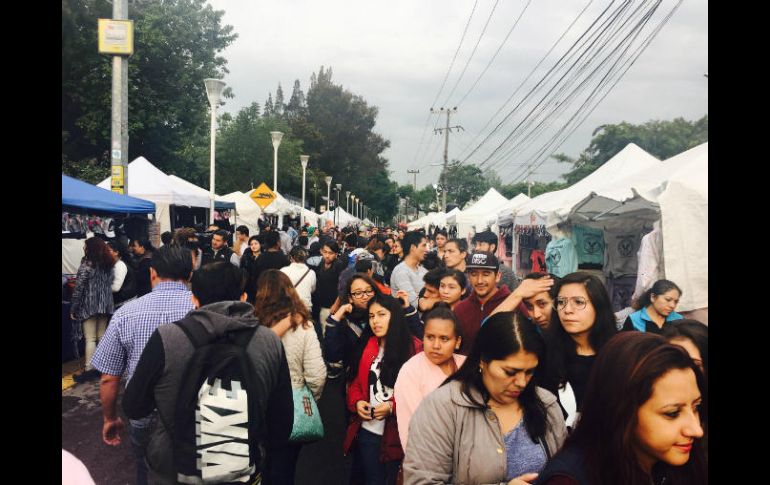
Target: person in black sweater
327,278
142,250
271,258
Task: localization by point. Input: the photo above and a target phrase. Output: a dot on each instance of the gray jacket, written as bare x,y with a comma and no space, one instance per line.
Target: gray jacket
157,380
451,440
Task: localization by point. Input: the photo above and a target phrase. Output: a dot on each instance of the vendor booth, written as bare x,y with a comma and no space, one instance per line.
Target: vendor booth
148,182
88,210
473,217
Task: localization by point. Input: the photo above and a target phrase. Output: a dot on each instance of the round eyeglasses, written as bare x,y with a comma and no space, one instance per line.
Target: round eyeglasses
361,294
578,303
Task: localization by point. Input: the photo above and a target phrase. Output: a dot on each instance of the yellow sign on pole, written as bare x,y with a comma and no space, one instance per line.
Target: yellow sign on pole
116,37
263,196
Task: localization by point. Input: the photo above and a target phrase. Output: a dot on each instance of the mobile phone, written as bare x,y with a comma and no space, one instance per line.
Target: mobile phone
372,408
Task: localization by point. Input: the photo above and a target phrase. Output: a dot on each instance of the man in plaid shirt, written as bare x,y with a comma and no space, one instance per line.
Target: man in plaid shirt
128,332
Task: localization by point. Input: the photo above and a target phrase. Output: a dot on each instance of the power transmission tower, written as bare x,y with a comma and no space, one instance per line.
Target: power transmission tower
446,131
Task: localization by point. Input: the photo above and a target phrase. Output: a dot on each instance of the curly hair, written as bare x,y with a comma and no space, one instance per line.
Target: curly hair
99,254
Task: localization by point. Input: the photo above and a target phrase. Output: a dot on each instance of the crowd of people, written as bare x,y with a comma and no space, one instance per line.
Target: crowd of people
454,369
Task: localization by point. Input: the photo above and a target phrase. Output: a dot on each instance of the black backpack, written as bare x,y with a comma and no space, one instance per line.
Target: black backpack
218,423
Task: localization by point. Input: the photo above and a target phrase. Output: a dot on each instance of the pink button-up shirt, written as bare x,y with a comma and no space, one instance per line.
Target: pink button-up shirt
417,378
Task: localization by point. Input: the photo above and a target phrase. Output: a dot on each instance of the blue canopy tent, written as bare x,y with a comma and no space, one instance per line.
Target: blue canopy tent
76,193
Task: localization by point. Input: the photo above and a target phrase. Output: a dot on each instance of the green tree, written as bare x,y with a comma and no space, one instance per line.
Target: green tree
245,154
342,143
662,139
176,46
464,183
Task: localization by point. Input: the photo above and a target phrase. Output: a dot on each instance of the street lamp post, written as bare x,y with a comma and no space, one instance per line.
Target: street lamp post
337,205
347,201
355,204
276,137
214,89
328,180
303,160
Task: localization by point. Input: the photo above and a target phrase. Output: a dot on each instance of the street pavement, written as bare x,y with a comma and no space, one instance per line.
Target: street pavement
319,463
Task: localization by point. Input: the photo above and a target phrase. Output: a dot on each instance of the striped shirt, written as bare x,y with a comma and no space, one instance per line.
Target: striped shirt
133,324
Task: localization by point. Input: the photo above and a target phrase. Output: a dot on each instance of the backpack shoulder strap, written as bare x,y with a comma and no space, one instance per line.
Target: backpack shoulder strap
195,332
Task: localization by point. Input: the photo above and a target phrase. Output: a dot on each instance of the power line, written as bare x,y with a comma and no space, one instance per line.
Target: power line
483,31
624,68
558,84
542,80
495,55
443,83
465,149
556,104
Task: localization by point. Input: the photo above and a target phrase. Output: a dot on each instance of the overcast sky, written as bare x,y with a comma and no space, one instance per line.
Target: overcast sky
395,53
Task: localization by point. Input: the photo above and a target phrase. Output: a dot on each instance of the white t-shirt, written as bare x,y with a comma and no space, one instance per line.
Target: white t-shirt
307,286
378,394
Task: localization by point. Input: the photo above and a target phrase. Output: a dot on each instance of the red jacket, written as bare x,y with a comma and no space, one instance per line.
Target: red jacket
358,390
471,312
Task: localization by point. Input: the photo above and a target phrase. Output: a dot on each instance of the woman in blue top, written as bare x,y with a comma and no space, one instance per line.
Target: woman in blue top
656,308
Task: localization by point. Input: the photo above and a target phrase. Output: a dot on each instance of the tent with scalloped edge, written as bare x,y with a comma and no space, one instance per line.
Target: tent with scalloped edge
146,181
472,217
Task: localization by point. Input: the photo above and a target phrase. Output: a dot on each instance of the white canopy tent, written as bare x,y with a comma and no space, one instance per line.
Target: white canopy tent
553,208
146,181
504,215
473,216
424,222
677,192
343,217
247,210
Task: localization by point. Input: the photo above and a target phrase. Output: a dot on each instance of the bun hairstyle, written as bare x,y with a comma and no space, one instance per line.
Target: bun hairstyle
443,311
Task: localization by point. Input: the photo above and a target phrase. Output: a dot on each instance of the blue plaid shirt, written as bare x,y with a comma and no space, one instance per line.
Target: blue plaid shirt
132,325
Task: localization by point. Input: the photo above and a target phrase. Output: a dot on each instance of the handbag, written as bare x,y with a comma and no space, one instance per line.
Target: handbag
307,420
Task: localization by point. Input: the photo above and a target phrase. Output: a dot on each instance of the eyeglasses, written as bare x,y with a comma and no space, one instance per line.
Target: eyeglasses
578,303
360,294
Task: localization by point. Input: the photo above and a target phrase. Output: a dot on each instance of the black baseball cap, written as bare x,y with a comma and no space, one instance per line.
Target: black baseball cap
482,260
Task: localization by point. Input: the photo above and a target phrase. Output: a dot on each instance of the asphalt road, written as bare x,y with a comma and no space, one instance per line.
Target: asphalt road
319,463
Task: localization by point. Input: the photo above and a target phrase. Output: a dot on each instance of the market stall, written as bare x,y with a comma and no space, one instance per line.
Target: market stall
88,210
472,218
148,182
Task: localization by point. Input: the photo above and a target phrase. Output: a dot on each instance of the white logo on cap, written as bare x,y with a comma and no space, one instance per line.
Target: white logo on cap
479,259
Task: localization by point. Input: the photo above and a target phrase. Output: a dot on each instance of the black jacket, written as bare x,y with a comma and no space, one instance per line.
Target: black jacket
223,255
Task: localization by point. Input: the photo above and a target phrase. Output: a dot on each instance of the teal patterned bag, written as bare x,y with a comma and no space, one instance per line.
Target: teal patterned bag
307,421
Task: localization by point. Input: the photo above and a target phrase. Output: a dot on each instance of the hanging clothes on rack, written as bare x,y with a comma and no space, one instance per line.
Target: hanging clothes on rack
560,257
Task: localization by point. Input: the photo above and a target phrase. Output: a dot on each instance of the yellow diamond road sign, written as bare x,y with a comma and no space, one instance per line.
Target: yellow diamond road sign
263,196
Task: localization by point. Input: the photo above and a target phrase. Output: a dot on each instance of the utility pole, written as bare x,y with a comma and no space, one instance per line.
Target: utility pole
414,185
116,37
446,131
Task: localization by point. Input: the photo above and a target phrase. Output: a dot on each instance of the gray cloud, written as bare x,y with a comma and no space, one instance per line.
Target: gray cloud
395,54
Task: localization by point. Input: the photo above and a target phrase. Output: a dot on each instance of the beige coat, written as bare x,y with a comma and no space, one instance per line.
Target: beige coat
306,364
453,441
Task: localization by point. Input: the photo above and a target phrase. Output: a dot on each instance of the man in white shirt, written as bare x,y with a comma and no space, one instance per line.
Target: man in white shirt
302,277
241,240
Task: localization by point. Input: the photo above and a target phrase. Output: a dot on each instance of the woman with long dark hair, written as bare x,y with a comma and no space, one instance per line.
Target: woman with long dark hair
489,422
694,337
279,307
382,349
249,264
580,326
655,308
123,281
92,302
641,421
